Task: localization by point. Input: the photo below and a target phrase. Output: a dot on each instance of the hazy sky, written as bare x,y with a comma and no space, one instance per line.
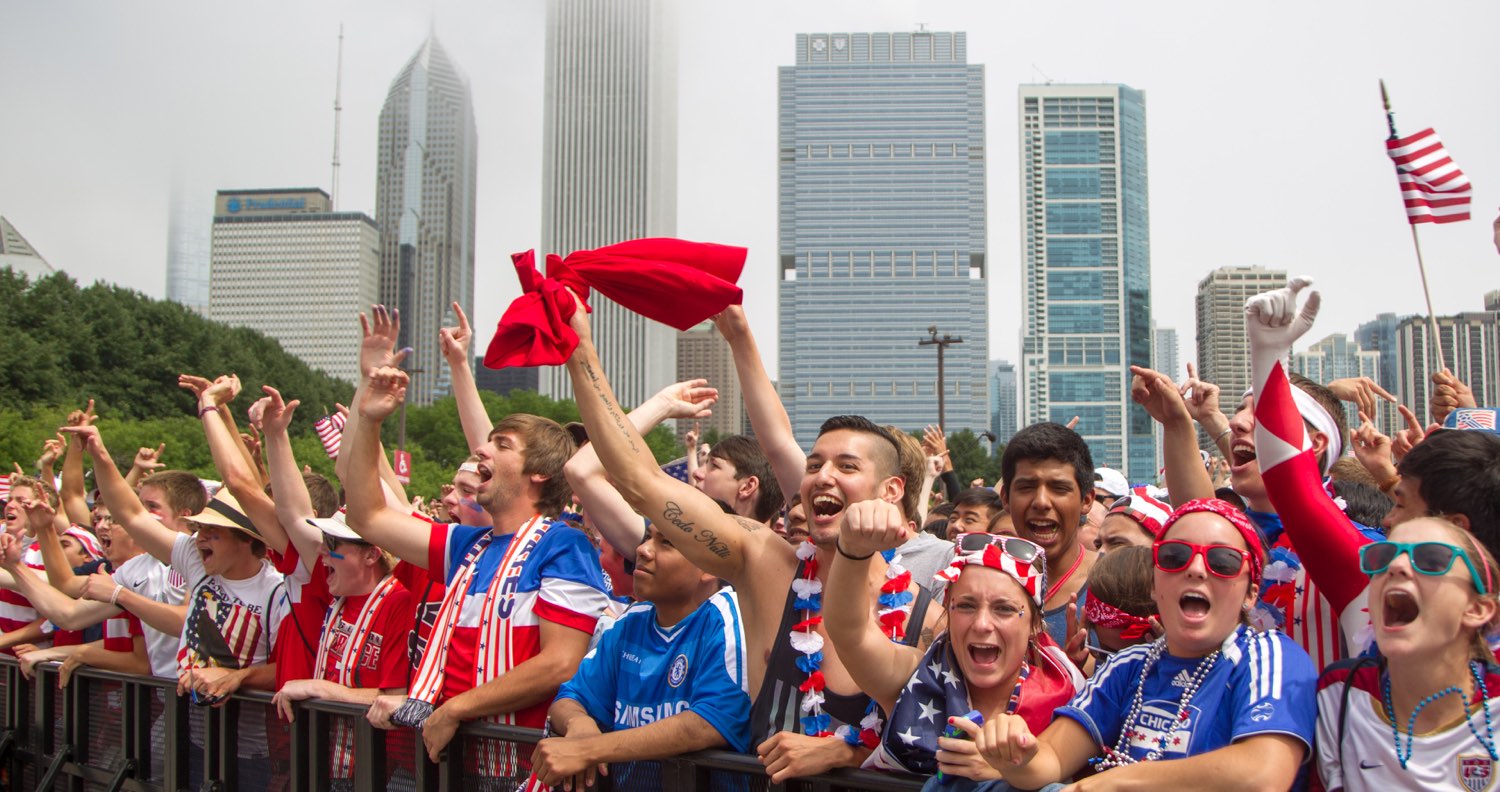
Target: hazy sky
1263,121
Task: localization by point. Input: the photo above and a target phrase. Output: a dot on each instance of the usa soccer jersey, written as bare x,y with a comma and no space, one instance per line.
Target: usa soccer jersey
641,672
1449,758
1263,683
558,580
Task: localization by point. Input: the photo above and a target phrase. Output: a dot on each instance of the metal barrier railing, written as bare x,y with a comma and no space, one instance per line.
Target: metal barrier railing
107,731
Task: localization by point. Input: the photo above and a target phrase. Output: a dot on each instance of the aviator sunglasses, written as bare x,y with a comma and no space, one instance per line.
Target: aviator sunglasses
1175,555
1428,558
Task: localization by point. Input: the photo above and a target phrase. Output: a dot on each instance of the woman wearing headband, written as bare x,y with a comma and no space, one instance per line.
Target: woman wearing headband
1212,702
994,657
1425,718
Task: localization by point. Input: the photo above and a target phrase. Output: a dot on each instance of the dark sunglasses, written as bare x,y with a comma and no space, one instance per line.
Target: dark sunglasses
1013,546
1174,555
333,542
1429,558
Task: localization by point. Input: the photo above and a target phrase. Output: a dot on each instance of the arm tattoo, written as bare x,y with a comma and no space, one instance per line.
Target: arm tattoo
610,407
673,514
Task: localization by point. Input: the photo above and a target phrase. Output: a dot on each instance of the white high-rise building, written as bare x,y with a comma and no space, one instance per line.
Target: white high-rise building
609,165
1086,266
425,199
1223,347
285,265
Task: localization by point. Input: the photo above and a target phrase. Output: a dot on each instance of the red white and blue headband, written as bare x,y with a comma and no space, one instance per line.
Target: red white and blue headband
1030,573
1316,414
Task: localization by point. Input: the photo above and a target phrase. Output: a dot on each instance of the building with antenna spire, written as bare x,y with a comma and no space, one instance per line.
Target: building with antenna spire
425,201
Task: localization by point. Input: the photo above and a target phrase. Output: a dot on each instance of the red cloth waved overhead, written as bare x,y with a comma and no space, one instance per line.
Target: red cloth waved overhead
672,281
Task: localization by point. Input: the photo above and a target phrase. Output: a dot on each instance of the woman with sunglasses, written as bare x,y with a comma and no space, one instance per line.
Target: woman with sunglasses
1211,703
1425,717
994,656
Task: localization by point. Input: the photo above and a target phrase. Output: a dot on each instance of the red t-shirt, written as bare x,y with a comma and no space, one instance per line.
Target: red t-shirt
382,662
296,650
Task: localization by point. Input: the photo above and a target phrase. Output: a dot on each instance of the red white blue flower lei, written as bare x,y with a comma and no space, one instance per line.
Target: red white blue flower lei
895,608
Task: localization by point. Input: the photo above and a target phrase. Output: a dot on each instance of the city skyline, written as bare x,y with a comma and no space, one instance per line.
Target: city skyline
228,112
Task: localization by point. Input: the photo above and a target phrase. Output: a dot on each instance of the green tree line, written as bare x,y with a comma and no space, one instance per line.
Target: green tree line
66,344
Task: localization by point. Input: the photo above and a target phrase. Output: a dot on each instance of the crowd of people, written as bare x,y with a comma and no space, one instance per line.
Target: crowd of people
1311,604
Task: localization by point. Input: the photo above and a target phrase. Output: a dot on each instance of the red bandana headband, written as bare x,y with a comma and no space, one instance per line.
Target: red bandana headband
1237,518
1102,614
1032,575
1149,512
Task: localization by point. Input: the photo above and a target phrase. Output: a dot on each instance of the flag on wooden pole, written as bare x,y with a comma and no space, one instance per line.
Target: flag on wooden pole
1432,186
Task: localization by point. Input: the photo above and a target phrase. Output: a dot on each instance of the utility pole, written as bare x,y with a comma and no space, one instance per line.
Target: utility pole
941,344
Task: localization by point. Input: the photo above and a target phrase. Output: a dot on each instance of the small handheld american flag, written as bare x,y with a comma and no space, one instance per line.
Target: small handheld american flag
330,429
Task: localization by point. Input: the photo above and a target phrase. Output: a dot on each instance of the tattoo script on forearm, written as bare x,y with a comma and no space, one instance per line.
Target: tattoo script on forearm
610,408
704,536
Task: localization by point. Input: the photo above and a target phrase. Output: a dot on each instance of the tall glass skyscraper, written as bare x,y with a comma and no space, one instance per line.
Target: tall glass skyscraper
882,230
1086,278
609,166
425,198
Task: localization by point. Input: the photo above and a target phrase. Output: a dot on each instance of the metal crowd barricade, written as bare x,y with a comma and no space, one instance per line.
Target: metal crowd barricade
109,731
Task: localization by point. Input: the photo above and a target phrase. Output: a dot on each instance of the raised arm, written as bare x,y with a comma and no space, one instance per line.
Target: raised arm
240,477
456,340
720,543
609,513
70,493
147,461
878,665
377,348
1326,541
59,572
55,606
369,514
1186,478
126,509
773,429
293,503
1202,401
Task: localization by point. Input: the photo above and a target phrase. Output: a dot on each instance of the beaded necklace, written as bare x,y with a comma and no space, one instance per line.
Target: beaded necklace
1488,741
895,606
1120,754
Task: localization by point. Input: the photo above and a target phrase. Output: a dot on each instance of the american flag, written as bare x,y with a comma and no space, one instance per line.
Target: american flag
5,487
1471,418
1432,186
677,469
330,429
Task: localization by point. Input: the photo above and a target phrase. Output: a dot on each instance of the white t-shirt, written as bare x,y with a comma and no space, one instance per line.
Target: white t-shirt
230,624
154,580
1447,759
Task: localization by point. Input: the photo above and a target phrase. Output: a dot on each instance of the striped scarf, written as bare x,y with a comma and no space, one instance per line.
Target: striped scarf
494,631
348,666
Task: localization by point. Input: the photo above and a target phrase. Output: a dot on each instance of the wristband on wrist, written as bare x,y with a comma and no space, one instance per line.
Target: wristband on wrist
1220,436
202,411
840,548
114,599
